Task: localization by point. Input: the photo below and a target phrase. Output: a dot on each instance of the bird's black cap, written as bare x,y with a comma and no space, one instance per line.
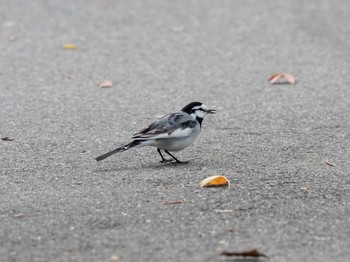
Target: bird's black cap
187,108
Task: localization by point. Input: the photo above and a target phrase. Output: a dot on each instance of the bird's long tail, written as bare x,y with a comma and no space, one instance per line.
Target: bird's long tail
120,149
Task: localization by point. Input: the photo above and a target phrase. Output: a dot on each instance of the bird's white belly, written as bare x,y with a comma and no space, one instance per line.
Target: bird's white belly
174,144
177,144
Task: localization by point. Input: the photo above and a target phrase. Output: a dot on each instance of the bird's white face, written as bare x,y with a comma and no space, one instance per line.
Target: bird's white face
201,111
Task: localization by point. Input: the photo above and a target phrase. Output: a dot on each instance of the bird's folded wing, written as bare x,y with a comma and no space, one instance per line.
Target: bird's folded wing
169,126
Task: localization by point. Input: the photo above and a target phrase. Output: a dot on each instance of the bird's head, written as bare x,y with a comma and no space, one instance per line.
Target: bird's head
197,110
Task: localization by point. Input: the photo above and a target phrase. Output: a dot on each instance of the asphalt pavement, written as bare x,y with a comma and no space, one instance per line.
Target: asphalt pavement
284,148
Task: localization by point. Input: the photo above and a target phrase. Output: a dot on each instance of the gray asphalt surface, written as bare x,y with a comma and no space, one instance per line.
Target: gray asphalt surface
272,142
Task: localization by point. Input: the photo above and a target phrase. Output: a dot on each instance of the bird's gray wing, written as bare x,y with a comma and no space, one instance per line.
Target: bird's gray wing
166,126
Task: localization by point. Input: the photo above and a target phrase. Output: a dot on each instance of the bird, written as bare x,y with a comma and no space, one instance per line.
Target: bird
171,133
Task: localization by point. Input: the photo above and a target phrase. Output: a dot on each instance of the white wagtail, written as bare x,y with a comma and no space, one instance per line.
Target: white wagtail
172,132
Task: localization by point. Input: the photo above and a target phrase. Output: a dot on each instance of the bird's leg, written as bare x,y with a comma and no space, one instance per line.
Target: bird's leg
163,159
177,160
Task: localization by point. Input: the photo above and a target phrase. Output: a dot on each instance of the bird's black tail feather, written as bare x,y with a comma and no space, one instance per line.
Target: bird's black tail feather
120,149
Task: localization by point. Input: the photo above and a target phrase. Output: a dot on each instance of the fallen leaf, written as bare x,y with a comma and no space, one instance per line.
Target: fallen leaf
115,258
7,138
105,84
18,215
248,253
290,78
306,189
70,46
329,163
172,202
275,77
215,181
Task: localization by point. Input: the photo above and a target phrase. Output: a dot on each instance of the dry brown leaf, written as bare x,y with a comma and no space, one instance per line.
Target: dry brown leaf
70,46
215,181
105,84
288,77
275,77
7,138
172,202
248,253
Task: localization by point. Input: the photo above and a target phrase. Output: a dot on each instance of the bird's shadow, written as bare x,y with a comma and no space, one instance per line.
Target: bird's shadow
151,166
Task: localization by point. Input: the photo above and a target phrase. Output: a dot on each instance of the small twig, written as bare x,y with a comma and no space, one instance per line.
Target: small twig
7,138
248,253
329,163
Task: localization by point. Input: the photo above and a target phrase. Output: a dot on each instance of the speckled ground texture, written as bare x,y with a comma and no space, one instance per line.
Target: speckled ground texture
272,142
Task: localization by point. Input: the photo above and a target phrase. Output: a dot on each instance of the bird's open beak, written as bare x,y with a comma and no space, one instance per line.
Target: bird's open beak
211,111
